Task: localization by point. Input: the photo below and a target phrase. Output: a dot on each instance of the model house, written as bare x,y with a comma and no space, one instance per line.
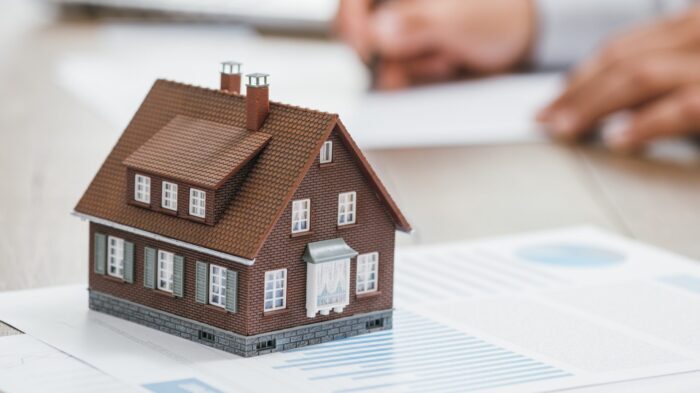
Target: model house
244,224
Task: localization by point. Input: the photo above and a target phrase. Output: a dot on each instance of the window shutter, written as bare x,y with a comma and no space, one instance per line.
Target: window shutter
149,267
129,262
100,253
202,282
178,275
231,290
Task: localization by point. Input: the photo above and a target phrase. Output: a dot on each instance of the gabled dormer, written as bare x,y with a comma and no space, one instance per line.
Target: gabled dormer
191,168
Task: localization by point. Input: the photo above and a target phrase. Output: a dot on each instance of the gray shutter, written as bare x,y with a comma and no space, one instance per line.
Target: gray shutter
100,246
178,275
149,267
129,262
202,282
231,290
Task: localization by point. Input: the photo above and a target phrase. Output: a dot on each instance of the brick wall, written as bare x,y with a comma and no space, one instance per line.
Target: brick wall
374,231
186,306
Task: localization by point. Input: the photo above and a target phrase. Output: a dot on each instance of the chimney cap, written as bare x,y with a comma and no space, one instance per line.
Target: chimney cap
230,67
257,80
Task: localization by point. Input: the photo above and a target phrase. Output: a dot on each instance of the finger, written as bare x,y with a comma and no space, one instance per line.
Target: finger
403,29
396,74
351,23
646,39
622,86
675,114
668,34
391,75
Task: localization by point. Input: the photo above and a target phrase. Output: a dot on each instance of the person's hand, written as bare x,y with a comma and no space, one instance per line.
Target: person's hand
429,40
653,72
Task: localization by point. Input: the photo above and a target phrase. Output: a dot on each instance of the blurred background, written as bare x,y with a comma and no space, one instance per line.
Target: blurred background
464,159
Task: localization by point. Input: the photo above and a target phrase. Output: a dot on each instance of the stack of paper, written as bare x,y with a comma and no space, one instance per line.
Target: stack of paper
541,312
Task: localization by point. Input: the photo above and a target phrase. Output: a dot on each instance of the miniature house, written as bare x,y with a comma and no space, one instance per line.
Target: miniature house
244,224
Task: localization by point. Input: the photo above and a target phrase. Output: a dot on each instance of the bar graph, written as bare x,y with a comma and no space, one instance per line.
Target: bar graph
417,355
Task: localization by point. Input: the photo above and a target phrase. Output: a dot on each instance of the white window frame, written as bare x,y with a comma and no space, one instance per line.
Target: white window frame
198,202
115,257
347,206
301,215
327,287
166,270
217,286
169,196
275,280
326,155
366,265
142,189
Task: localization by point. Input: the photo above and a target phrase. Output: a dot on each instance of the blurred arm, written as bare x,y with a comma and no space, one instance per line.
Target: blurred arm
570,30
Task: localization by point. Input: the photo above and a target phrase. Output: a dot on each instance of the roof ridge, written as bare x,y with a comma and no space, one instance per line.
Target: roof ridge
226,93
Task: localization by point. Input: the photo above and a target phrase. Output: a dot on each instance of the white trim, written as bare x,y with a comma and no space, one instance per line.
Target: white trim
144,182
347,206
322,282
179,243
198,203
221,285
274,279
301,214
166,264
326,155
115,256
169,195
368,263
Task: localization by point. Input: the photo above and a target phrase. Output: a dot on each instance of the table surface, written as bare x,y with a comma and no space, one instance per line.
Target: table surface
52,145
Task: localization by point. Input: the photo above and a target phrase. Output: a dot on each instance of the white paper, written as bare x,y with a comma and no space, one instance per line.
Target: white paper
114,77
28,365
303,15
539,312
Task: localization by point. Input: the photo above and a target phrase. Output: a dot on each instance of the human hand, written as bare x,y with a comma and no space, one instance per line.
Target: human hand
653,72
422,41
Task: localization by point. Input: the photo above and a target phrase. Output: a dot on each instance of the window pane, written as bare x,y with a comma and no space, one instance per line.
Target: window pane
274,290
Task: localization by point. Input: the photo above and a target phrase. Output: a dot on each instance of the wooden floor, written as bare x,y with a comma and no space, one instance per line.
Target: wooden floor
51,145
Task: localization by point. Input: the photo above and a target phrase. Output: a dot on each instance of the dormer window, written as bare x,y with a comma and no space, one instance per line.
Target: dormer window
327,152
216,168
142,189
198,203
169,196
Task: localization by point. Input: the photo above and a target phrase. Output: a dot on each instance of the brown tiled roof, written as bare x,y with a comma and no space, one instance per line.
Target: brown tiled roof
199,152
296,137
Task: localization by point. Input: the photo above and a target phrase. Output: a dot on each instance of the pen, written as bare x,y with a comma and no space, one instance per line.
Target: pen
375,59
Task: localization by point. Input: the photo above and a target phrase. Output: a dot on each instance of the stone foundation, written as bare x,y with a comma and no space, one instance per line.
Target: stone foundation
234,343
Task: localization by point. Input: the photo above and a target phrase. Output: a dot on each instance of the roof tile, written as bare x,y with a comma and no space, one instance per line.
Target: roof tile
289,139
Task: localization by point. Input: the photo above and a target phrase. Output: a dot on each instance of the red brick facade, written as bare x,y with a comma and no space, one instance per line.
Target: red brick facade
374,231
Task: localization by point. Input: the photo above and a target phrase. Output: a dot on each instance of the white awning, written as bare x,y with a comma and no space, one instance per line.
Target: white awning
328,250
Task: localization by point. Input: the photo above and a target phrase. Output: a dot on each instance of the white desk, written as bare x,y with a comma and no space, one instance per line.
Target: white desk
52,145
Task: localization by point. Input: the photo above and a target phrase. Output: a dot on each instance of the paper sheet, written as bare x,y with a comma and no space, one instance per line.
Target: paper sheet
538,312
113,77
